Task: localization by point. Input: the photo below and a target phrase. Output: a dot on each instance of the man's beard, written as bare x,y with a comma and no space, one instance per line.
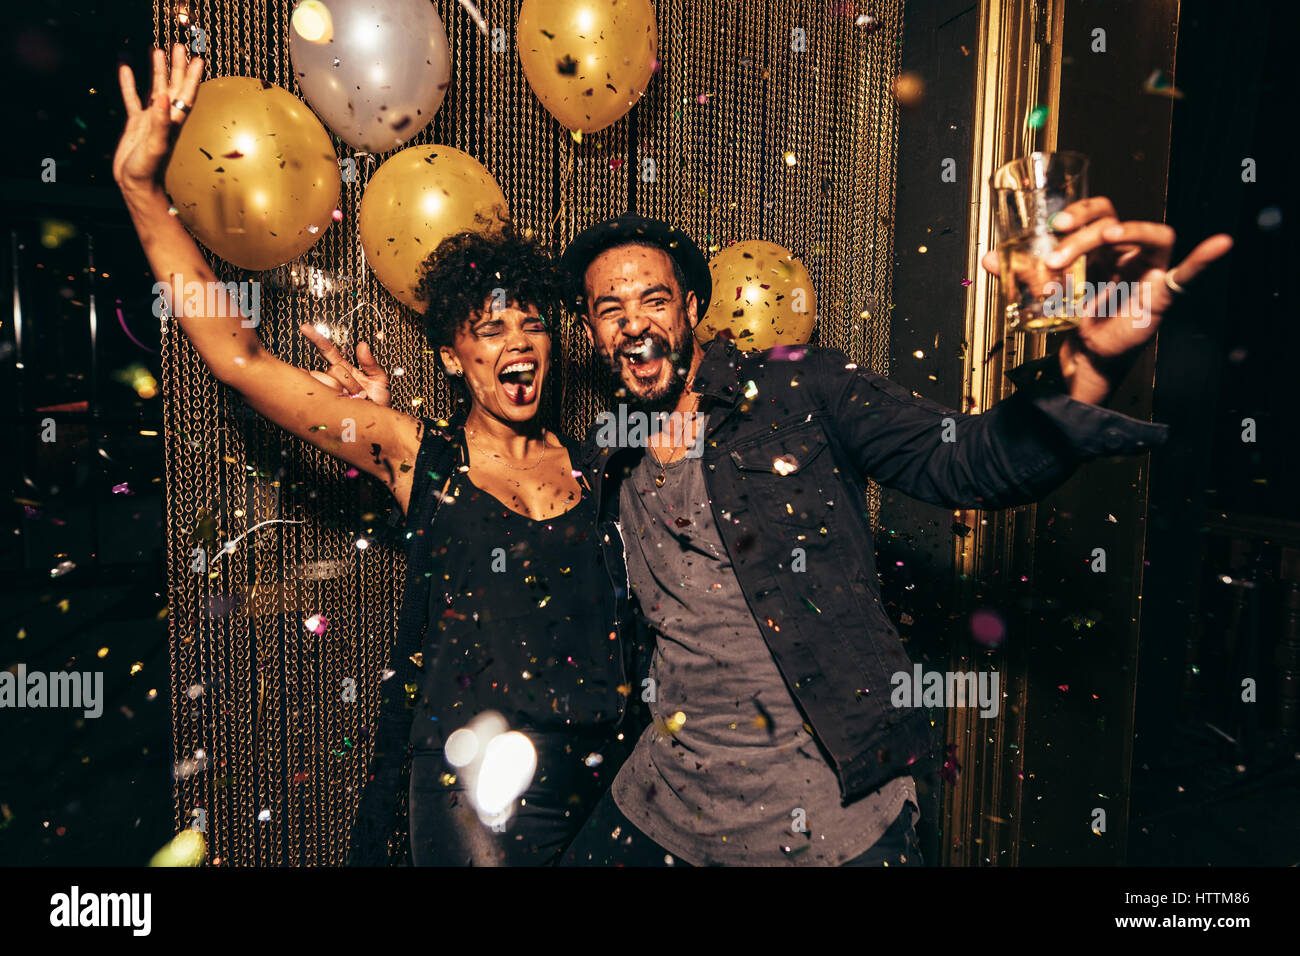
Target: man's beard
661,398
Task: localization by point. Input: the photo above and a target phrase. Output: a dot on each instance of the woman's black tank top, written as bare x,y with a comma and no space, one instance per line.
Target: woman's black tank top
521,619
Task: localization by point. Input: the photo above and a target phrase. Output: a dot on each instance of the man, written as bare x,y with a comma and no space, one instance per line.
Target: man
773,739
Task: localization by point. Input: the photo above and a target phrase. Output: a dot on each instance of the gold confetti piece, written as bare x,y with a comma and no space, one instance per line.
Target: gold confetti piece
136,668
102,652
187,848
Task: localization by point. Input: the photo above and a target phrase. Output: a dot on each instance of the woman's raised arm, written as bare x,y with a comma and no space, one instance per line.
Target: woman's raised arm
377,440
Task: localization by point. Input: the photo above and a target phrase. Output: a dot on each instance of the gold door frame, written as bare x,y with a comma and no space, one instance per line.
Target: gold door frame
1016,60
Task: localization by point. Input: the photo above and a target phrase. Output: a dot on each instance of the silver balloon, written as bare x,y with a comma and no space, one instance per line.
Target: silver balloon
375,71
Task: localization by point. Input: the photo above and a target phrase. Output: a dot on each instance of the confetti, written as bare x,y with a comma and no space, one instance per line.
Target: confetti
1161,85
186,848
786,465
988,628
908,89
121,320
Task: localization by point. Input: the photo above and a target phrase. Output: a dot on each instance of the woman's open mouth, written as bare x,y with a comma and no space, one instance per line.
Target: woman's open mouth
519,381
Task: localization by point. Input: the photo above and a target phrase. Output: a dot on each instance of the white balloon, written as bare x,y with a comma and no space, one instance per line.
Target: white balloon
375,71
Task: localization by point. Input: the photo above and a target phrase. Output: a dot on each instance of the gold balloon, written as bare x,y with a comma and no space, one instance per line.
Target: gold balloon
762,295
253,175
418,198
588,61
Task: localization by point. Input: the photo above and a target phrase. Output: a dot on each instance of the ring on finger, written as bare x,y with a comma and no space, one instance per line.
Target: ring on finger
180,104
1171,285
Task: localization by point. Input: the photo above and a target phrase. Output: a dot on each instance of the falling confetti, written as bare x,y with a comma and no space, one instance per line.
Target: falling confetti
785,465
474,15
187,848
121,320
1161,85
988,628
233,543
909,90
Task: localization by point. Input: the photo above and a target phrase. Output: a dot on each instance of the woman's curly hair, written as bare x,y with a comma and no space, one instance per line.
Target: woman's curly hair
466,270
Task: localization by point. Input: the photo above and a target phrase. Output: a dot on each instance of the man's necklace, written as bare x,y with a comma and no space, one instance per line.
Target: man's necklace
503,461
663,464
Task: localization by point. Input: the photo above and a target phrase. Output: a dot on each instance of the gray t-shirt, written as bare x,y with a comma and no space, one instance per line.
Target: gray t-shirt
727,772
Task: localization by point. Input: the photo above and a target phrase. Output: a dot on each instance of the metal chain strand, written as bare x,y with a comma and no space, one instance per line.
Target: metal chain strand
270,751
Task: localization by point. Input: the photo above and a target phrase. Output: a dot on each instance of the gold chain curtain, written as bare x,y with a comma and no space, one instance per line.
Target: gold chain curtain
270,745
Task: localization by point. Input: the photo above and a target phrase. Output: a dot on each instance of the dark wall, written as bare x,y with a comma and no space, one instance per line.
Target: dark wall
1227,353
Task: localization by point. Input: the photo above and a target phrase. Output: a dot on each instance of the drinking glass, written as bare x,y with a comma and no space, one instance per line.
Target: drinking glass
1027,193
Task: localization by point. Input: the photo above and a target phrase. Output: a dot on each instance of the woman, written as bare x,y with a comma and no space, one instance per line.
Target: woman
506,606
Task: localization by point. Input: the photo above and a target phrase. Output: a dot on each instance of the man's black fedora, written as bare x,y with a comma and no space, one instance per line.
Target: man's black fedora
630,227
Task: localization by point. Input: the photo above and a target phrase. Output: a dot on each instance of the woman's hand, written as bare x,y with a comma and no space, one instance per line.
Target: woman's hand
364,379
147,139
